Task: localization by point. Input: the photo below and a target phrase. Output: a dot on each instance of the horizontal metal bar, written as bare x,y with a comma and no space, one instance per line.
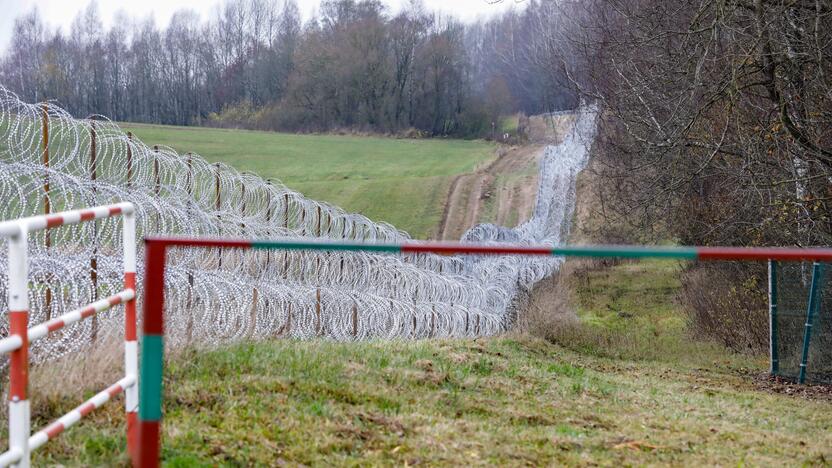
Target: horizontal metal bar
69,419
11,456
39,331
10,344
37,223
447,248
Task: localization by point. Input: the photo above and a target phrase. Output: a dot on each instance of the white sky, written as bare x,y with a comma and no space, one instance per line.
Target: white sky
62,12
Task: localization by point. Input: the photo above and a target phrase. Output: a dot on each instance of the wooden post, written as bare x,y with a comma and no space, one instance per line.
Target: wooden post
157,178
190,309
318,327
268,219
46,204
129,159
94,259
243,205
354,320
218,205
286,226
190,175
432,320
190,300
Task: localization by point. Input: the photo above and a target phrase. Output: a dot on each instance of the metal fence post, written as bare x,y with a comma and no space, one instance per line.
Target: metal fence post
772,309
817,274
131,357
150,385
19,422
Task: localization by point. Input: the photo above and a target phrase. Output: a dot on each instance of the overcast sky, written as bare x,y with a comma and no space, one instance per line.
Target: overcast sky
61,12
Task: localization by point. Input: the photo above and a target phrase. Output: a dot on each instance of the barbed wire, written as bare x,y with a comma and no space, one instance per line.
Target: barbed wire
50,161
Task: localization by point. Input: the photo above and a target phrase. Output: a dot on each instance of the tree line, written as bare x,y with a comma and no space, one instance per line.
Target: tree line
716,130
255,64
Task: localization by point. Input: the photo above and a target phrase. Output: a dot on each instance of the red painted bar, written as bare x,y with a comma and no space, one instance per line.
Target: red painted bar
154,286
198,242
130,308
149,444
19,359
54,220
763,253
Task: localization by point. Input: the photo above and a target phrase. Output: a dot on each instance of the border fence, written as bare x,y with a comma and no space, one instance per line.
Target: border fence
152,352
800,308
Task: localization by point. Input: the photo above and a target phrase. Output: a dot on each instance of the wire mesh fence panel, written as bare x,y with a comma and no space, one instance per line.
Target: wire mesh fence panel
793,288
819,362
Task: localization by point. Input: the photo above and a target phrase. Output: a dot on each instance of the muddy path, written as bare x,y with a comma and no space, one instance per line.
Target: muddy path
504,191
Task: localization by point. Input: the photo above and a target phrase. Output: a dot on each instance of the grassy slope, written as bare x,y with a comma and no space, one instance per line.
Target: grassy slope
629,388
403,182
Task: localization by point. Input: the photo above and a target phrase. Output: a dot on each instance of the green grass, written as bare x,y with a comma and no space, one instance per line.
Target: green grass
501,401
509,123
629,311
400,181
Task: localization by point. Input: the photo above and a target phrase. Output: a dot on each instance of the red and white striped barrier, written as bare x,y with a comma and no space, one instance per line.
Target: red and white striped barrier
20,335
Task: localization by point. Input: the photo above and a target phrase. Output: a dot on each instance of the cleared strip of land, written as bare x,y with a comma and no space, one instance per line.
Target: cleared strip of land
401,181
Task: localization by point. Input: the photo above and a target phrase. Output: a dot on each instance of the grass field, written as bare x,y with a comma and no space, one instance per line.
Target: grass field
400,181
635,391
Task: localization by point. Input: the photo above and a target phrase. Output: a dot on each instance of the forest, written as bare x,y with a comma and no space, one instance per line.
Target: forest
715,124
256,64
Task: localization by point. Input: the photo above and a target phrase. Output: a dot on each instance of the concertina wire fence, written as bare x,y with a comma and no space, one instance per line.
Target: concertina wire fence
50,161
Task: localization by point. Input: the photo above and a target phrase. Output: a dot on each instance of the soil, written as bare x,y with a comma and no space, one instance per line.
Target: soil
514,193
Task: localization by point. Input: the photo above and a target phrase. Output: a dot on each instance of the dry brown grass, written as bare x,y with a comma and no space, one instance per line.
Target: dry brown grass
727,302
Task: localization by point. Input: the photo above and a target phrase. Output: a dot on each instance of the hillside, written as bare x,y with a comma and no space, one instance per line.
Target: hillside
403,182
601,398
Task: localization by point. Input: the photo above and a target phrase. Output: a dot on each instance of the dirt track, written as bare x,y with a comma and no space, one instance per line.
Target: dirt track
504,191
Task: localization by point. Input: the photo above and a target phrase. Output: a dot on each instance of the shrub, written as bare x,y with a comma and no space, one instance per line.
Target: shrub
727,302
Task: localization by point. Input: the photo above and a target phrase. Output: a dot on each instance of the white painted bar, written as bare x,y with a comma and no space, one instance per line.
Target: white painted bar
70,419
131,363
38,223
128,236
10,343
41,330
10,457
19,420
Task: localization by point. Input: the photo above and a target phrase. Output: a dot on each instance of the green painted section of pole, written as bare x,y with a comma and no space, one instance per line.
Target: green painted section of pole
682,253
772,313
150,388
300,245
817,278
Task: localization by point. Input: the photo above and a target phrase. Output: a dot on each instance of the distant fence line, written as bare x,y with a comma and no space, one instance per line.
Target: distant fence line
50,161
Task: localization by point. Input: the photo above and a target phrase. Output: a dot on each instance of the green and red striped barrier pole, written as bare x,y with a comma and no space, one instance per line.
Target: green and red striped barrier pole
152,352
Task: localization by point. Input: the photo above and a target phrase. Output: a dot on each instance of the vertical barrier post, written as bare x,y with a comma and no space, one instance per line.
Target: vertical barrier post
131,358
772,309
150,385
817,274
19,422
